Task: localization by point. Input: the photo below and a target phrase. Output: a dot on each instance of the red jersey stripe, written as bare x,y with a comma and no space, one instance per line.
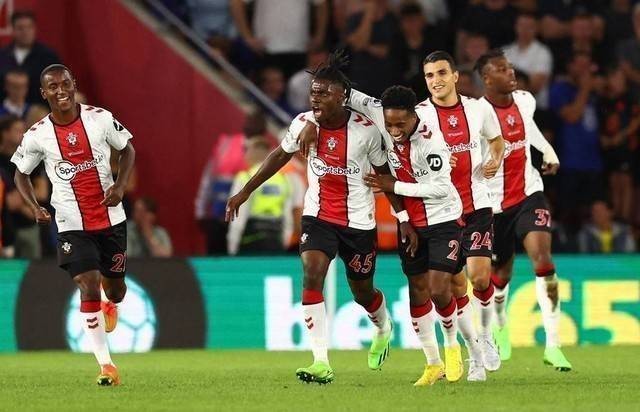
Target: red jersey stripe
75,148
515,160
334,188
413,205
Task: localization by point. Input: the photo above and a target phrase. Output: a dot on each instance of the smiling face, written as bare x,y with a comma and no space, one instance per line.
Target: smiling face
400,123
326,98
441,79
58,88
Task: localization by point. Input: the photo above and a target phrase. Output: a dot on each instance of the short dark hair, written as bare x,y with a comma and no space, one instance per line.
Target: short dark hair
6,122
484,59
149,203
22,14
439,55
399,97
410,9
16,70
527,14
54,68
332,70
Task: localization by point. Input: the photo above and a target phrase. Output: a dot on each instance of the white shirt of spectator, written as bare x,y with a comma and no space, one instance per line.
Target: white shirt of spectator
535,59
466,131
421,165
283,25
76,158
516,178
335,170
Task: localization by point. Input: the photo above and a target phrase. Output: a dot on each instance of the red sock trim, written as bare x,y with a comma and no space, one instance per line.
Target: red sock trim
420,310
377,302
484,295
462,302
90,306
447,310
545,270
499,282
311,297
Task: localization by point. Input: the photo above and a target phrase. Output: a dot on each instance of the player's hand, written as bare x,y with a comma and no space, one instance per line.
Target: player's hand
453,161
42,216
490,169
550,168
308,138
233,205
113,196
384,183
409,238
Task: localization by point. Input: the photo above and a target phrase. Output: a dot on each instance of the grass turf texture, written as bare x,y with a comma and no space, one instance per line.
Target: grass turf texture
603,377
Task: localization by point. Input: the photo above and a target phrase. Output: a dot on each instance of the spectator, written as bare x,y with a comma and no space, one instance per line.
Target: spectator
629,55
492,18
272,83
225,161
36,113
26,53
370,36
531,57
280,31
300,83
416,39
16,87
556,15
577,134
603,235
466,85
620,122
259,227
619,26
474,45
21,235
144,237
212,20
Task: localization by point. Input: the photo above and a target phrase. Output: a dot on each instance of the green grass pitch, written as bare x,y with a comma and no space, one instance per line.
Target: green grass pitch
603,379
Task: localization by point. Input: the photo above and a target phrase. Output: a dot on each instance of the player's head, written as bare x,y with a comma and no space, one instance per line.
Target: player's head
440,74
400,119
329,87
23,24
497,72
58,87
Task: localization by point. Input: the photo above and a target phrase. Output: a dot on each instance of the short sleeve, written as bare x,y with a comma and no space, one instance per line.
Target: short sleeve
290,142
490,123
117,135
28,155
377,156
367,105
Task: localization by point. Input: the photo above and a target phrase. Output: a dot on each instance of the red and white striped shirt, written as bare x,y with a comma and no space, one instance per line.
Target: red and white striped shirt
76,158
336,168
516,178
421,166
466,127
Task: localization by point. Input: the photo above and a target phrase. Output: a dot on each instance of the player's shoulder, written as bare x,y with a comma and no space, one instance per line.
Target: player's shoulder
39,128
360,122
423,104
523,96
94,110
300,120
469,102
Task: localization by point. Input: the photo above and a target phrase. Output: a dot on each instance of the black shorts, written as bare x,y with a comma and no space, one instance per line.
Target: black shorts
513,224
105,250
477,235
438,249
356,248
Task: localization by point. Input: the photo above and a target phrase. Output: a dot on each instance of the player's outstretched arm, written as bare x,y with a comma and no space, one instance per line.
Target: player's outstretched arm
274,162
114,194
23,183
550,161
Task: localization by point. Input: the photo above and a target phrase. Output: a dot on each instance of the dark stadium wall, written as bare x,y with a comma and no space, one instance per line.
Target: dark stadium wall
174,112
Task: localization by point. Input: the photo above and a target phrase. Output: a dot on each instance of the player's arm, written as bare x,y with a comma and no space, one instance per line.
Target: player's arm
114,194
367,105
239,13
550,161
274,162
321,21
491,132
496,154
360,38
26,158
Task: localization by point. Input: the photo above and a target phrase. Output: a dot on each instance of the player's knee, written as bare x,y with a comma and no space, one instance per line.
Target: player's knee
459,290
480,278
116,293
89,285
439,288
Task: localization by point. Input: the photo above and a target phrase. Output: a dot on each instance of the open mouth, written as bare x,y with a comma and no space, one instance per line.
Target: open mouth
317,111
63,99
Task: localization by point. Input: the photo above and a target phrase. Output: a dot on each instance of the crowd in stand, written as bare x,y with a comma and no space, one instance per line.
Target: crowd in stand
21,63
581,59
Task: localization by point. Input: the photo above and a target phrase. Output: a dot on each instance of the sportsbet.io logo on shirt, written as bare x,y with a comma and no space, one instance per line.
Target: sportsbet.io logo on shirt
66,170
321,168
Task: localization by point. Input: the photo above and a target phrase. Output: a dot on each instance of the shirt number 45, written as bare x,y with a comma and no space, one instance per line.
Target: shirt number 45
359,265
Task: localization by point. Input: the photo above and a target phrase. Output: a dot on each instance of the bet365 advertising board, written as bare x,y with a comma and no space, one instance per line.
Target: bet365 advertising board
254,302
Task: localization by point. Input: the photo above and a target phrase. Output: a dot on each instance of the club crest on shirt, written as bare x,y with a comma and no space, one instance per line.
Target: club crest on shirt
453,121
72,138
511,121
332,143
66,248
400,148
394,160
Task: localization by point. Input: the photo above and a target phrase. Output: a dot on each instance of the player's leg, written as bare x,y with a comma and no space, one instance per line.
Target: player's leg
112,244
318,246
358,252
538,247
422,320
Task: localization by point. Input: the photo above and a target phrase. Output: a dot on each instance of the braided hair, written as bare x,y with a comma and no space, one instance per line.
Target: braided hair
331,70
